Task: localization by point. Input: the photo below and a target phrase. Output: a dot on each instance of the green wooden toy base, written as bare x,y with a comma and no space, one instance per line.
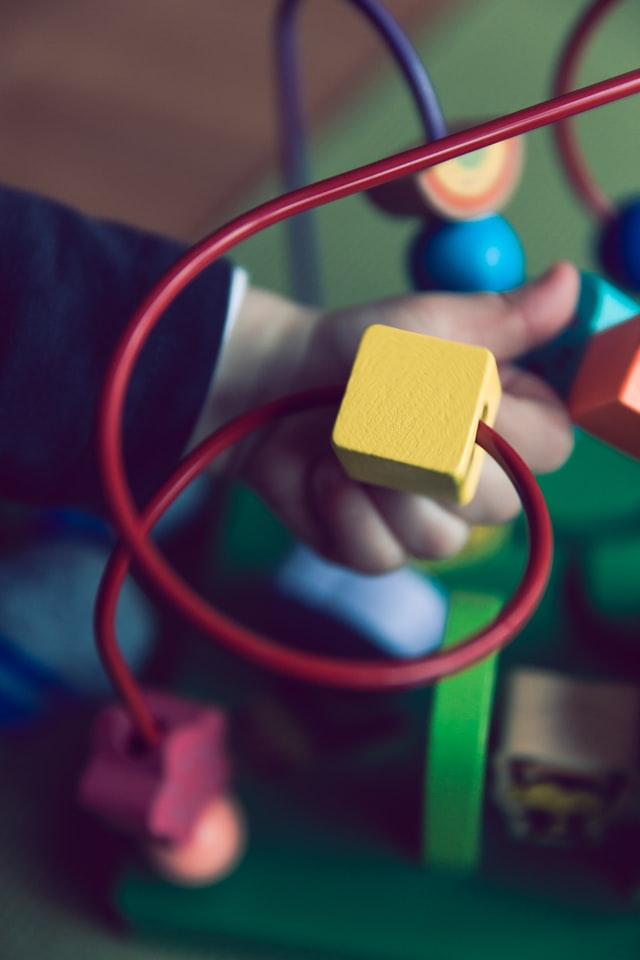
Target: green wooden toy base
306,890
316,880
333,867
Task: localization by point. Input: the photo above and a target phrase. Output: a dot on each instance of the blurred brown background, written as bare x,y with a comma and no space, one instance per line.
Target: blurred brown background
162,112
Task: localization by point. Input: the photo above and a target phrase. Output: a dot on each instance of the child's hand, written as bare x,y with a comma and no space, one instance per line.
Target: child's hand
277,348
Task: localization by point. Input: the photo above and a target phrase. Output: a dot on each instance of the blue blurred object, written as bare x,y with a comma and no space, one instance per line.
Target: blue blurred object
403,613
25,685
49,579
71,522
620,245
47,647
468,256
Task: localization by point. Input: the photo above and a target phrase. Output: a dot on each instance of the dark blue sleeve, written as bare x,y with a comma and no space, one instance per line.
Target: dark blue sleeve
68,286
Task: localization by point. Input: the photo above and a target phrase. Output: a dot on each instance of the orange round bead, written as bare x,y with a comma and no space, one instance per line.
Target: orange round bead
214,847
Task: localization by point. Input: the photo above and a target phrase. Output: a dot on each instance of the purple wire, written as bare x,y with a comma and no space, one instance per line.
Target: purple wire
295,165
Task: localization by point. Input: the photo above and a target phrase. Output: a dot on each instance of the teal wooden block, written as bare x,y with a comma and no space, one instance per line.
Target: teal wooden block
600,306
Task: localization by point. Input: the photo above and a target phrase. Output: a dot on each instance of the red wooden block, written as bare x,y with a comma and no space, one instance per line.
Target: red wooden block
158,792
605,396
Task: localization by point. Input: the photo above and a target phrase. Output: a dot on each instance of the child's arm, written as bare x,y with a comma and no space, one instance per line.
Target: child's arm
68,286
276,348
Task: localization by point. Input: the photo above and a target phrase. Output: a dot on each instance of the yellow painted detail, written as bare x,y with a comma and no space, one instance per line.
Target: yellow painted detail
555,799
475,183
410,412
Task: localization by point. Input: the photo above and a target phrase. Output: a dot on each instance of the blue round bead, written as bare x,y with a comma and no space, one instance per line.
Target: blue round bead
468,256
620,245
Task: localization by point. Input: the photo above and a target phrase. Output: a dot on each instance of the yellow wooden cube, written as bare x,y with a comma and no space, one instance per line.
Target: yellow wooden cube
410,412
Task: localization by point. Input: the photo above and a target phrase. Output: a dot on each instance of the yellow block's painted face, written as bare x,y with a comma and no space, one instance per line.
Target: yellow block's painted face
410,412
475,183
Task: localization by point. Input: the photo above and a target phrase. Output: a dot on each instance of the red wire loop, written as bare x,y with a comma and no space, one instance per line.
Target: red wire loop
133,528
566,138
353,674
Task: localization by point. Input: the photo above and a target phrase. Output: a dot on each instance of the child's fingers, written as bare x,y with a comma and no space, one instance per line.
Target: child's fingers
538,428
531,314
293,468
354,532
534,422
279,467
373,529
509,324
370,529
425,528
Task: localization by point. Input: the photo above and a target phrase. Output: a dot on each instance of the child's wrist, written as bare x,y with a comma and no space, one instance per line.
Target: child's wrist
259,353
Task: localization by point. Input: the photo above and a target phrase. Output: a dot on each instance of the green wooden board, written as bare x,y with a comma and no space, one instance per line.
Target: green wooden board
457,746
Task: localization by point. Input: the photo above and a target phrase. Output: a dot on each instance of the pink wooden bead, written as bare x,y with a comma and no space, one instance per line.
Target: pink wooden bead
157,791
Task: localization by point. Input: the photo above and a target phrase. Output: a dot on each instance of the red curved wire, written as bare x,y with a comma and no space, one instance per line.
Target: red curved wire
566,138
353,674
133,528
